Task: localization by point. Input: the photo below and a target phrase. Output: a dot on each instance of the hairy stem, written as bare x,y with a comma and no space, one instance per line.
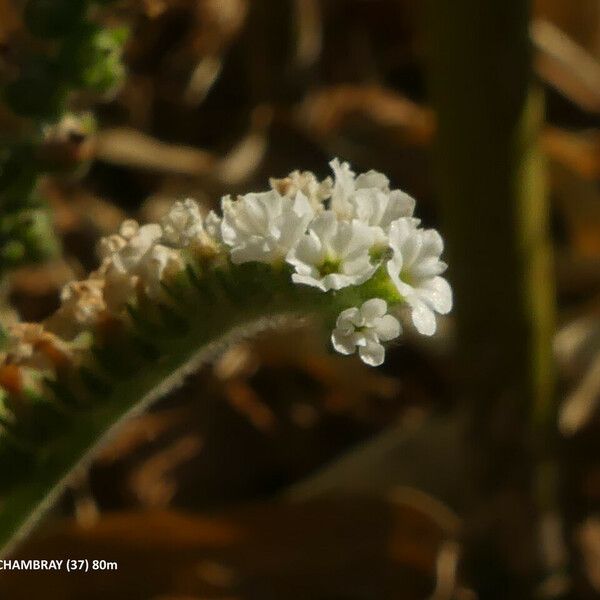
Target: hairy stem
134,364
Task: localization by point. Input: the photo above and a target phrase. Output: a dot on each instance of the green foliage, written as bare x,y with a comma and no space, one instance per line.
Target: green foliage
26,236
91,58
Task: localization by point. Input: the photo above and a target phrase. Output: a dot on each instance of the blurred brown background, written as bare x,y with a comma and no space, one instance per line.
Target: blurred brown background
283,471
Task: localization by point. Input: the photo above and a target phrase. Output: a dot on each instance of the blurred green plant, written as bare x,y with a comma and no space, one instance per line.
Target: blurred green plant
75,55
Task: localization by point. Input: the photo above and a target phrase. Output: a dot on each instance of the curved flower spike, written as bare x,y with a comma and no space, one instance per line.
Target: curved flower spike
165,296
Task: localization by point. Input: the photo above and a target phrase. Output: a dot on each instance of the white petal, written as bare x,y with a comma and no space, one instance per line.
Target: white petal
438,293
308,280
394,267
149,233
411,248
423,318
400,229
369,205
387,328
308,251
337,281
372,353
372,309
380,238
253,214
342,342
372,179
129,228
302,206
324,225
292,225
212,224
433,244
339,241
400,204
358,242
427,268
344,175
254,249
227,230
349,319
182,224
342,189
260,226
360,267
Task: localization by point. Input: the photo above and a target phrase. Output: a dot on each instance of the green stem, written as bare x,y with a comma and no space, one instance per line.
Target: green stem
492,191
134,364
48,443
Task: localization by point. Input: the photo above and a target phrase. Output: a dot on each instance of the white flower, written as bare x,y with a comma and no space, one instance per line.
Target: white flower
138,244
343,189
368,198
182,224
159,264
380,209
139,261
212,226
333,254
129,228
372,179
82,302
122,255
184,227
110,244
264,227
30,345
305,182
365,328
415,269
119,286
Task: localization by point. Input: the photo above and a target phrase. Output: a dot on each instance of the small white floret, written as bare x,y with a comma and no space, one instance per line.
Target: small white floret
182,224
263,227
158,265
415,269
365,328
369,199
333,254
307,183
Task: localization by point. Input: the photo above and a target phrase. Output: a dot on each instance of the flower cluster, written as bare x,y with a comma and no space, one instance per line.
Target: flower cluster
346,250
350,237
344,233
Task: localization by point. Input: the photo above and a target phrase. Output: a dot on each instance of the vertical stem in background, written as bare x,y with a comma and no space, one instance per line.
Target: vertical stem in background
494,206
